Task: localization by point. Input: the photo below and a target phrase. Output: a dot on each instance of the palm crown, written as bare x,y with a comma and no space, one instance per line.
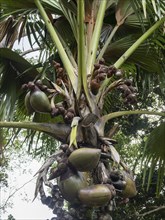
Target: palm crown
88,51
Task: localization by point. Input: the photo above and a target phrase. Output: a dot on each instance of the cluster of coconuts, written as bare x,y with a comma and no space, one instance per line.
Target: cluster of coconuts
72,178
61,76
128,91
100,72
76,185
40,98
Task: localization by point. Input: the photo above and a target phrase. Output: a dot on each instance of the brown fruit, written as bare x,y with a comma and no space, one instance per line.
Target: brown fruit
111,71
128,82
119,73
102,61
39,101
131,98
56,65
64,147
102,76
96,65
62,110
122,88
95,195
127,92
85,159
94,86
55,112
133,89
71,110
69,116
31,85
39,82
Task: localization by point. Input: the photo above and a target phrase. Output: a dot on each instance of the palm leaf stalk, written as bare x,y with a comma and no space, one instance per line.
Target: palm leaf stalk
82,54
123,10
130,51
103,120
58,131
93,46
67,64
81,50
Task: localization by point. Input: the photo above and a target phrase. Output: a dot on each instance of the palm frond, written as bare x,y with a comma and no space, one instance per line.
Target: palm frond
133,21
64,30
150,9
110,3
141,57
69,10
154,154
14,71
11,6
24,19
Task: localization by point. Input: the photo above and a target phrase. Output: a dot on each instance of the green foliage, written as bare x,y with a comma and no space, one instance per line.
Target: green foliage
154,153
14,71
52,25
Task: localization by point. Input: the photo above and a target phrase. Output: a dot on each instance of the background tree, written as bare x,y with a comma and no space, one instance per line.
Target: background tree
74,95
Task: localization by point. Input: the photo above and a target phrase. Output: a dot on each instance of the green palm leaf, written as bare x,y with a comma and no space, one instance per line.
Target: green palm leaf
155,144
14,71
25,20
141,57
11,6
151,8
154,154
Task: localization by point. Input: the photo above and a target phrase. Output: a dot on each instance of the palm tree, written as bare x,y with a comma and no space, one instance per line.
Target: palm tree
88,51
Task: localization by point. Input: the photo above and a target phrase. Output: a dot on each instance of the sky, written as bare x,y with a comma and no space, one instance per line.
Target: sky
23,208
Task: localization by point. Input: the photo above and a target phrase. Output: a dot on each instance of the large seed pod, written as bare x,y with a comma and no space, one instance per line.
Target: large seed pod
70,184
95,195
130,187
85,159
28,106
39,101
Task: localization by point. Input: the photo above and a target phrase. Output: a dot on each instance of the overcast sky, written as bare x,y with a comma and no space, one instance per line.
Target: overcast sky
23,207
